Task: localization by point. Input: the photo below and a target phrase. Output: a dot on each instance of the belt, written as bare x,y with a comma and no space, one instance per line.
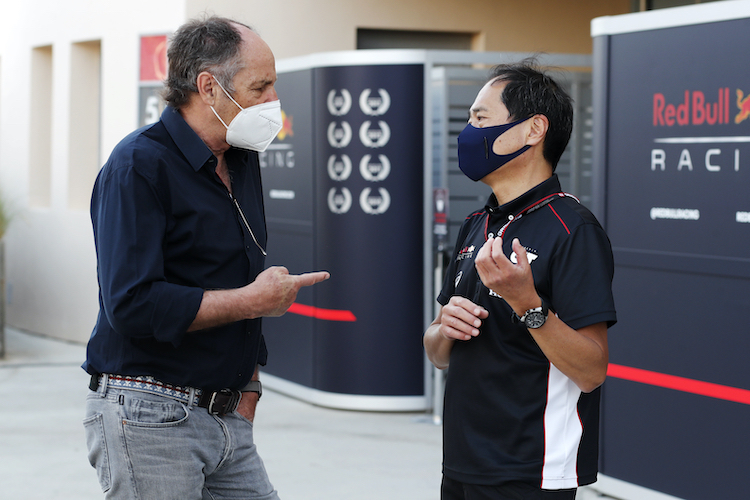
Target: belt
218,402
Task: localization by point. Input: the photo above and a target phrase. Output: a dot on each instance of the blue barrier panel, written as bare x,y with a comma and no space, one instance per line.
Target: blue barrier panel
674,146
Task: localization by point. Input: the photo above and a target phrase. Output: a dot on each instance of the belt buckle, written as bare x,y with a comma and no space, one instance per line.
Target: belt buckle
223,405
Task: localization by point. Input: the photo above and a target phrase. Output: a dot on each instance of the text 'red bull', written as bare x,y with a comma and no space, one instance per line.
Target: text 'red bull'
694,110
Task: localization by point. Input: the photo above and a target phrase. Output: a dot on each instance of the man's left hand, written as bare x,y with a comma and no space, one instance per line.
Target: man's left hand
247,405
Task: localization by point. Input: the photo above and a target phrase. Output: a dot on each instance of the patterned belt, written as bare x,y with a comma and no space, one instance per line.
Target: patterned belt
216,402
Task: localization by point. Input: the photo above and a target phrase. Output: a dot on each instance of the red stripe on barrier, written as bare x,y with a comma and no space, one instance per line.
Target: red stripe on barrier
318,313
680,383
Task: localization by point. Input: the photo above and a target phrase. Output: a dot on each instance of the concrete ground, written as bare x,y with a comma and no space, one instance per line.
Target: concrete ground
310,452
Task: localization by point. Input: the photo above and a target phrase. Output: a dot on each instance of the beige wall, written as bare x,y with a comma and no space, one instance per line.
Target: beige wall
294,28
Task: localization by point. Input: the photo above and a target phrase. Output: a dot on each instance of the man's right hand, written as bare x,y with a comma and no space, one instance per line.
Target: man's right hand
275,289
271,294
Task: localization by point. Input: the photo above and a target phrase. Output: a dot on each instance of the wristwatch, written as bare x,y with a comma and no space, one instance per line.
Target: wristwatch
254,386
533,318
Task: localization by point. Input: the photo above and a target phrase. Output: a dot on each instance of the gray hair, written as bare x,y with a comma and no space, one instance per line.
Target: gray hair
211,44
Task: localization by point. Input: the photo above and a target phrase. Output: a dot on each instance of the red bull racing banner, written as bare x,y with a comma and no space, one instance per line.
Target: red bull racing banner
343,186
369,221
673,144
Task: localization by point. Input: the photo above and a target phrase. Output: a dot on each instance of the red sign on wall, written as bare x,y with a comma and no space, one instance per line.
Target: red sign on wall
153,58
152,75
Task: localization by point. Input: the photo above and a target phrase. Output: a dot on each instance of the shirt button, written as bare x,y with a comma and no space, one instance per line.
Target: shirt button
510,217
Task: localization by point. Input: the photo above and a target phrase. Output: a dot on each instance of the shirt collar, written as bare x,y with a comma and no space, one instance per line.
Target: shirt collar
546,188
189,143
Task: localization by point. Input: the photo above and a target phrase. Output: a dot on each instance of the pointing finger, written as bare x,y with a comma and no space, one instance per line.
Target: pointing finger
309,279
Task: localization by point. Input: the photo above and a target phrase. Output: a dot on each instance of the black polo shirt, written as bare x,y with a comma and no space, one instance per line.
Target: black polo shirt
165,230
509,414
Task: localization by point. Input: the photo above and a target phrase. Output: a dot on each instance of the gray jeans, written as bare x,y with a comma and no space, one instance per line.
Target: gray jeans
147,446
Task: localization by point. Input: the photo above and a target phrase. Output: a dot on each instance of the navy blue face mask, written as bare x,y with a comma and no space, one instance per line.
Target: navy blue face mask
475,156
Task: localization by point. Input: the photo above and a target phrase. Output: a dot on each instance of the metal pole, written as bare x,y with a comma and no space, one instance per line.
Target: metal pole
438,375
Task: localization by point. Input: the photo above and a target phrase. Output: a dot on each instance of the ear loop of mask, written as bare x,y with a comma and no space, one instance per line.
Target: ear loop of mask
229,96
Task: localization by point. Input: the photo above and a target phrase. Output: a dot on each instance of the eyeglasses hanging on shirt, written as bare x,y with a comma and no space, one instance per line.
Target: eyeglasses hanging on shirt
247,224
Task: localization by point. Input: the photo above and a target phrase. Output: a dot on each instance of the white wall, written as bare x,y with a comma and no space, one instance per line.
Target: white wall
50,259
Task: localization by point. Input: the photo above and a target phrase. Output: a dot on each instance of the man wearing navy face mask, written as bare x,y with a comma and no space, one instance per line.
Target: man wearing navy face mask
525,306
180,236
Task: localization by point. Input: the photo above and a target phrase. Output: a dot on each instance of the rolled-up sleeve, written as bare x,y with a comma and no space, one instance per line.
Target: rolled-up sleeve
129,220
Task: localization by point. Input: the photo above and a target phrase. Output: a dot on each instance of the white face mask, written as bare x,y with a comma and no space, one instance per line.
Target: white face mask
255,127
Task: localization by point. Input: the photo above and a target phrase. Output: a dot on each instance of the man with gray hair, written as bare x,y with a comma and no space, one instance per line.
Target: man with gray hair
180,235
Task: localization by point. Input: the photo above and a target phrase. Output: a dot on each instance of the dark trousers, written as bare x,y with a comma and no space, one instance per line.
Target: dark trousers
515,490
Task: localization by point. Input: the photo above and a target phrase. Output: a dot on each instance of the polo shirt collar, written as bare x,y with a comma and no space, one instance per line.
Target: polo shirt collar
546,188
188,142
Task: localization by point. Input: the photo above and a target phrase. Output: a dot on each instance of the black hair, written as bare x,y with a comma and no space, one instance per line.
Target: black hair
528,92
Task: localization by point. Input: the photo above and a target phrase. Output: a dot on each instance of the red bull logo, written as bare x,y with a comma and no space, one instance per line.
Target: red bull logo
695,109
286,127
280,155
706,150
743,103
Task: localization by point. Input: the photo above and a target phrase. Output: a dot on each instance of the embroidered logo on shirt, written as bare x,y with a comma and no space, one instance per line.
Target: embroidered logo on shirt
529,254
458,279
466,253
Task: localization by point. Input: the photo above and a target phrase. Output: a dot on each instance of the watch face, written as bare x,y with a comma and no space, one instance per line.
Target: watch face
535,319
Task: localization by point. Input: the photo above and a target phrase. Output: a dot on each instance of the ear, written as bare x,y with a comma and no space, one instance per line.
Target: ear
537,129
207,87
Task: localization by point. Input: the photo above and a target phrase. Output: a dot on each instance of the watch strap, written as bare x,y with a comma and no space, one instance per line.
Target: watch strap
254,386
544,308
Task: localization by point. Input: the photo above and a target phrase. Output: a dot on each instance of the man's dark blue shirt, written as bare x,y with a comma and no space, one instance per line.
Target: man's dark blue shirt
166,230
